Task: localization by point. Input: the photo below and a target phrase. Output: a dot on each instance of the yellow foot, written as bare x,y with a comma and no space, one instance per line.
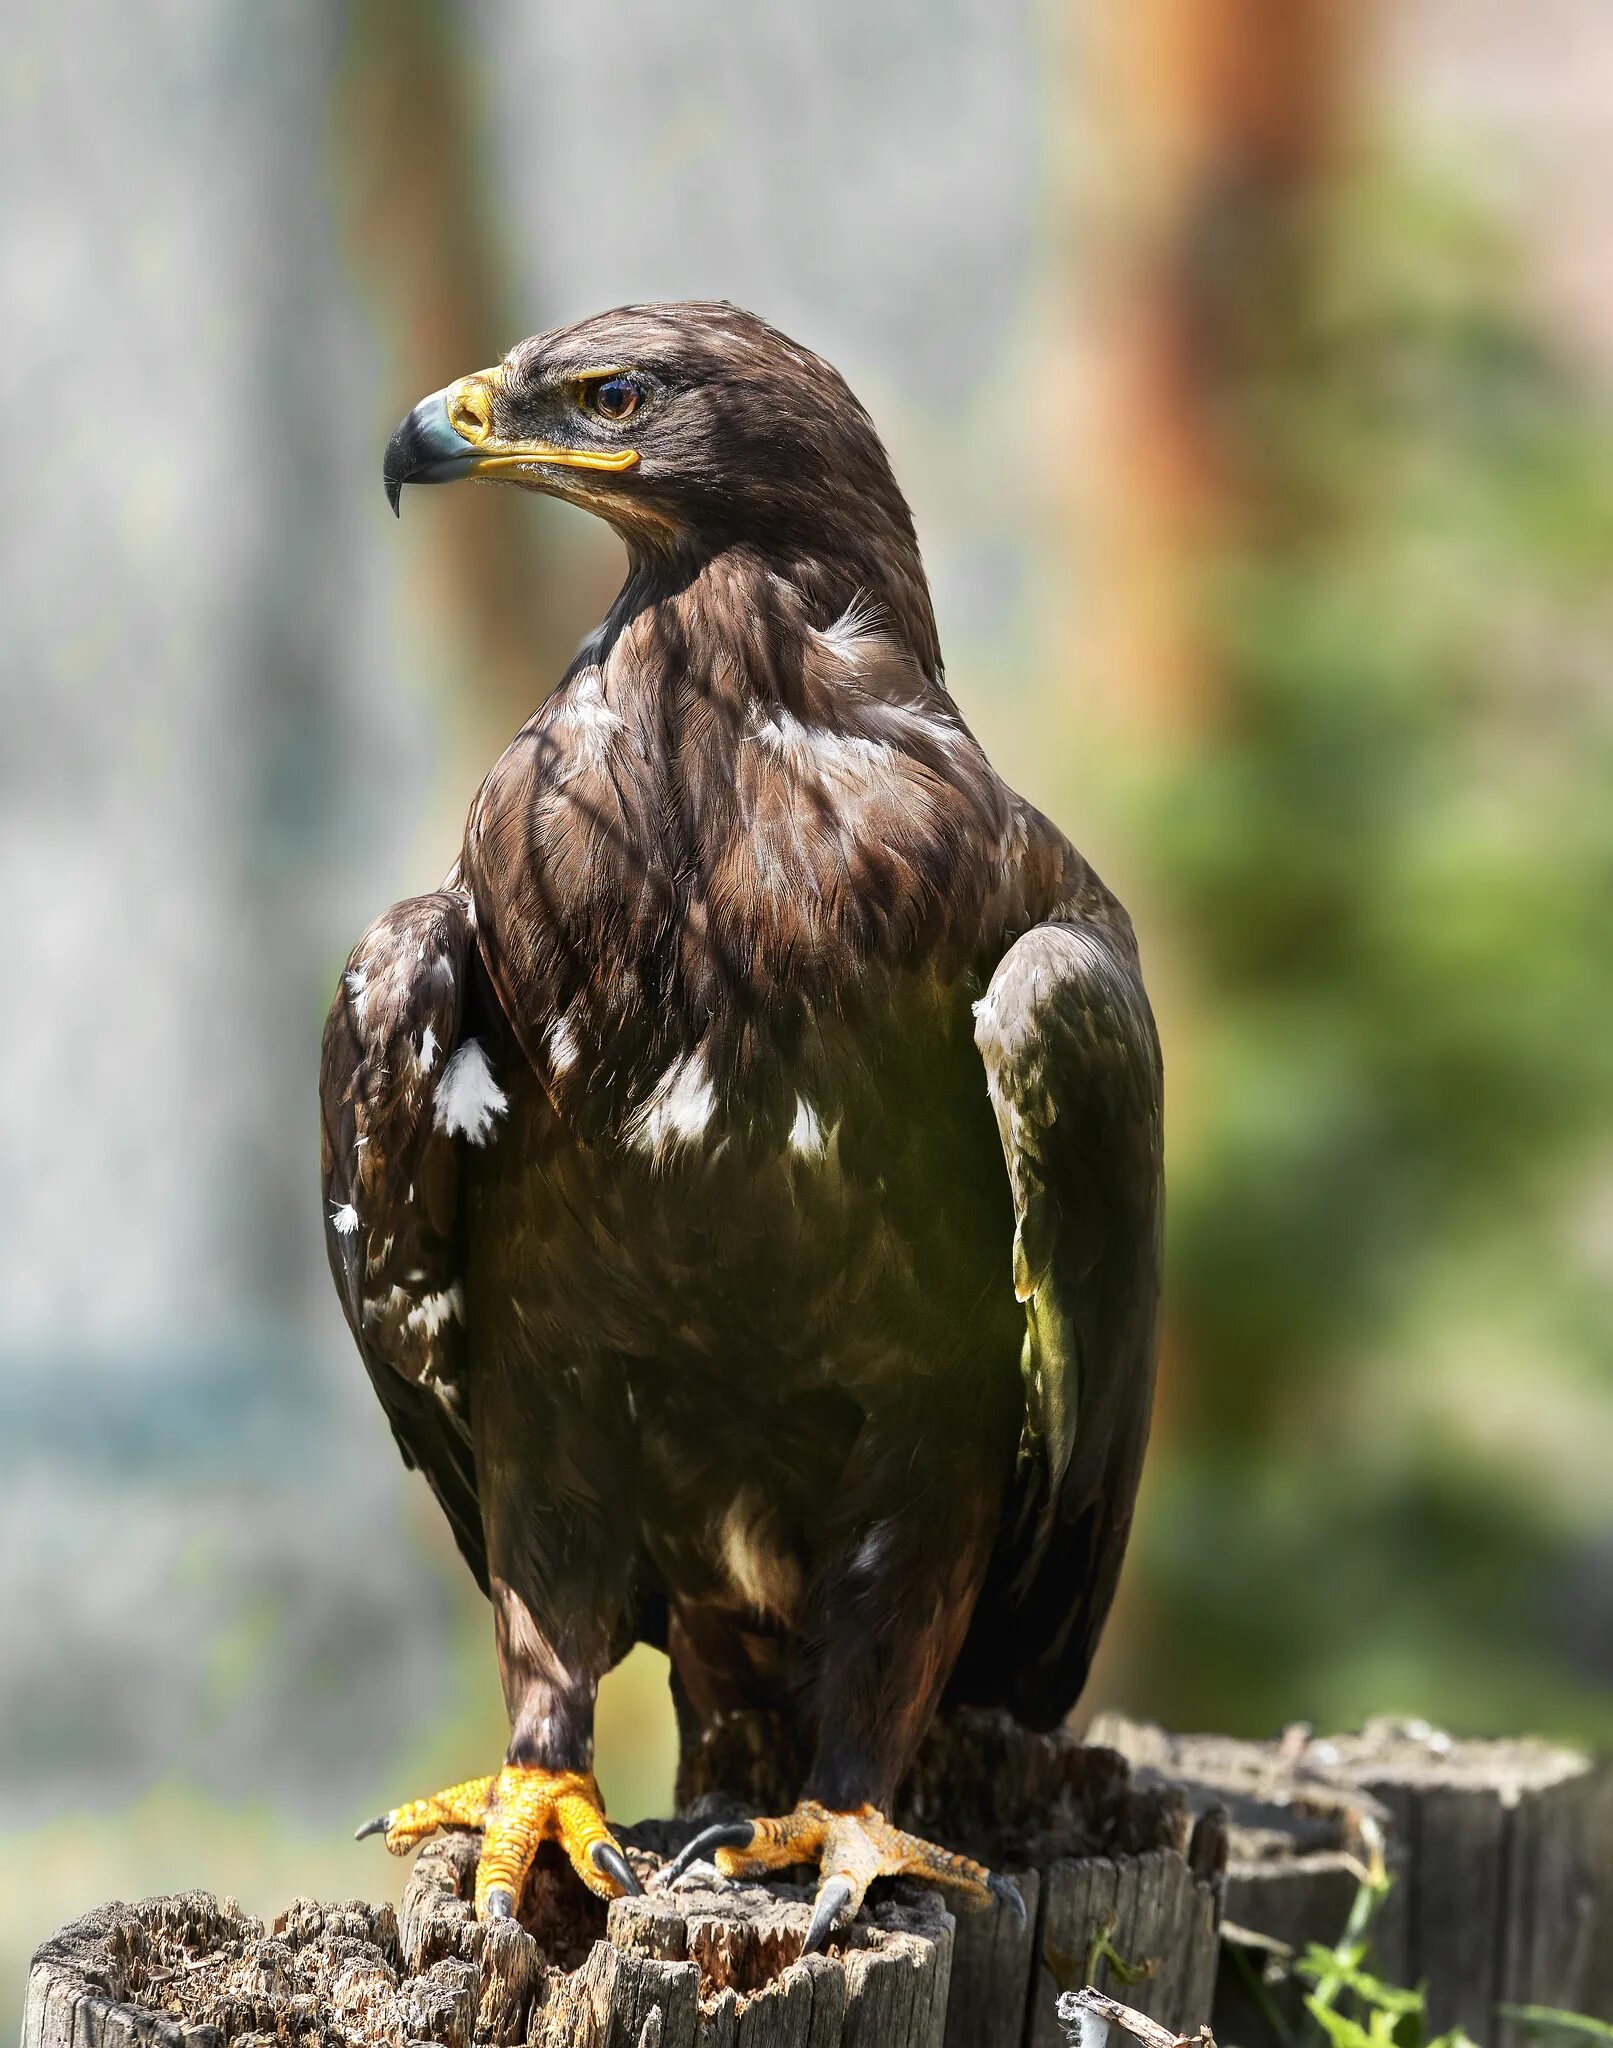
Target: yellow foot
850,1851
517,1812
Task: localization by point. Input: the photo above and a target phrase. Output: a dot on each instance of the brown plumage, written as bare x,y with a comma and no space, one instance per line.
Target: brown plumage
742,1177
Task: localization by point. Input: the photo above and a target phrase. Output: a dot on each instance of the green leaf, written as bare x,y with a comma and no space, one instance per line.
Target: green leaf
1342,1967
1381,2027
1551,2019
1341,2032
1386,1998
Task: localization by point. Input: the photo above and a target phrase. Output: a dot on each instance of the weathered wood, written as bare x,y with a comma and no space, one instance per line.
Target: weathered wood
716,1967
1095,1852
1106,1868
192,1970
1151,1913
1298,1850
1501,1852
1074,2006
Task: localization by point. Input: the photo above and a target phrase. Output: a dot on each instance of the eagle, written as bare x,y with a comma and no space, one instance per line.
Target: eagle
742,1175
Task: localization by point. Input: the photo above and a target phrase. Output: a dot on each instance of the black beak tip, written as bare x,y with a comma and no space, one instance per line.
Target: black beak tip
424,449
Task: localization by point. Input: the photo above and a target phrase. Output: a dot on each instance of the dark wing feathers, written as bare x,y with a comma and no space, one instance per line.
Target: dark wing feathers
391,1185
1073,1069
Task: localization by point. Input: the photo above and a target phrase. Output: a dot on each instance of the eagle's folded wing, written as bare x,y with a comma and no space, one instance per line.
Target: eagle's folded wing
397,1090
1073,1070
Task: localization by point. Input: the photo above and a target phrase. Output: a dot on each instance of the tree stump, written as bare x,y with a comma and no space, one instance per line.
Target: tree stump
1108,1870
1116,1878
1501,1852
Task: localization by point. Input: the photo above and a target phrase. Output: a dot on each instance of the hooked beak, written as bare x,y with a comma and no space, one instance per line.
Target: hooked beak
451,435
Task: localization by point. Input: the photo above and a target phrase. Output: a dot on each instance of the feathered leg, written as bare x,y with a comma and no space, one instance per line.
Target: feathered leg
559,1576
889,1615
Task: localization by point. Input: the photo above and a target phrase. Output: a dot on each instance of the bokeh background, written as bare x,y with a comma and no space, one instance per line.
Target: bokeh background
1248,363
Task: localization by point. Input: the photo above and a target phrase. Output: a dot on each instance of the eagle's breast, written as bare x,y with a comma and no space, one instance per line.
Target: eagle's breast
703,907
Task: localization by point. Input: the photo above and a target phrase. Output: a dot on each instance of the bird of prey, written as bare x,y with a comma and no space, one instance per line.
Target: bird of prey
742,1175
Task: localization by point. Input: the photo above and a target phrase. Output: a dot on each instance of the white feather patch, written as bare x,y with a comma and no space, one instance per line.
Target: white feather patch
581,709
344,1220
815,749
469,1100
677,1110
436,1310
857,623
985,1014
563,1048
807,1139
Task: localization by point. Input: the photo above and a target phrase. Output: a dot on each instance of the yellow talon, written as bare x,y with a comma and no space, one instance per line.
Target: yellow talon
461,1806
850,1850
517,1812
860,1845
531,1807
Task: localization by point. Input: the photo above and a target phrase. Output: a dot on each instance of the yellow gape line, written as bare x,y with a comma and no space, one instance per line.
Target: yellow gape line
517,1812
469,405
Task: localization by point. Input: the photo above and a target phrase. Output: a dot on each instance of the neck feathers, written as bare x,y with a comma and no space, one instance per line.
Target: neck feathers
736,629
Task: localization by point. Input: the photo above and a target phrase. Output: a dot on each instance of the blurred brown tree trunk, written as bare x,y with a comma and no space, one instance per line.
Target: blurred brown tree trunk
421,211
1205,130
1197,138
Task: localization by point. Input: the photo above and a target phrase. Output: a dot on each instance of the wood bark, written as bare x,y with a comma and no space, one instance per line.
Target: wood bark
1108,1870
1501,1854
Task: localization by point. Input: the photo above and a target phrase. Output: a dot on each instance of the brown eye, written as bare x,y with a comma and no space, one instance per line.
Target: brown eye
612,398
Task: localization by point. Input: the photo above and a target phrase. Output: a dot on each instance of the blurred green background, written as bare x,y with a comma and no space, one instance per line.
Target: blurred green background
1248,365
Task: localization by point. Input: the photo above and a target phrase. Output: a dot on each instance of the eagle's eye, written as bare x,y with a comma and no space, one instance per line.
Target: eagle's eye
611,398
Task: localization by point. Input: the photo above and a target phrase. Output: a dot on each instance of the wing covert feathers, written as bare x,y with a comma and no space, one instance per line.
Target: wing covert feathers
1074,1075
394,1087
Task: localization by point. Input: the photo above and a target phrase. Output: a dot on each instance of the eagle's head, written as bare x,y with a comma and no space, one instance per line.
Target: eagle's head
687,426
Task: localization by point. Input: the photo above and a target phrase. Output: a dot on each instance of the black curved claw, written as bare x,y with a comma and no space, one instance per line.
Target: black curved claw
1009,1893
834,1895
606,1857
378,1826
723,1834
500,1903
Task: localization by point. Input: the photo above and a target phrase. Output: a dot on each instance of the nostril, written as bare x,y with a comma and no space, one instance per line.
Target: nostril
469,415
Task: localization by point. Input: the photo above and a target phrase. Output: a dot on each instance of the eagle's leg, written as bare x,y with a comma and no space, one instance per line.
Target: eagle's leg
554,1645
559,1585
891,1611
